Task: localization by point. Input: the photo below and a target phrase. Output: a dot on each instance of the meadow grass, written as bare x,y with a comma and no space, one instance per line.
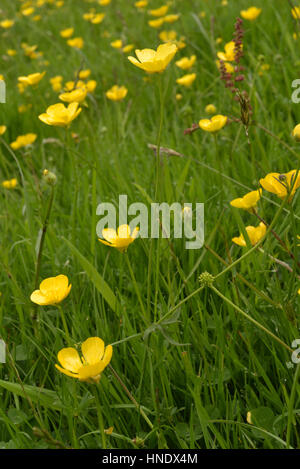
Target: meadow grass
195,370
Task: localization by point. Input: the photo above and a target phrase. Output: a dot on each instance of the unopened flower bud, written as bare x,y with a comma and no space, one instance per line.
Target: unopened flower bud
49,178
296,133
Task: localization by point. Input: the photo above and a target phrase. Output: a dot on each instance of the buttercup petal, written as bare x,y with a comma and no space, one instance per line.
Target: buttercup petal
69,359
109,234
66,372
90,371
92,350
124,231
40,299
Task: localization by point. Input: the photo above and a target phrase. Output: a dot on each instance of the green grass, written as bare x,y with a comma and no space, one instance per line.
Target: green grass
198,371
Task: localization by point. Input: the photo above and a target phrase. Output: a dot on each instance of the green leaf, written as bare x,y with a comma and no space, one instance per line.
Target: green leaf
16,416
95,277
44,397
263,417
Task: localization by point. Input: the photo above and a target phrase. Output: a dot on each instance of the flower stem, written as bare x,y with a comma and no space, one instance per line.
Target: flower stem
243,279
138,294
277,237
99,415
239,310
161,119
42,240
63,318
137,405
157,187
291,407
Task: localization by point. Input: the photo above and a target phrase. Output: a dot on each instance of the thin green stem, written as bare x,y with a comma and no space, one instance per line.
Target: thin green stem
99,415
161,98
244,280
137,405
291,406
42,240
94,202
157,186
138,293
172,310
295,249
63,318
239,310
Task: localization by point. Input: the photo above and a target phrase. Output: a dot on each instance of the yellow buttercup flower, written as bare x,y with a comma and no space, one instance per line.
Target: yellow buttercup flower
6,24
228,54
167,36
30,51
186,80
121,239
23,141
249,201
186,63
2,129
214,124
104,2
141,4
251,14
263,68
180,43
67,33
109,430
76,42
83,74
59,115
53,290
32,79
210,109
159,11
296,133
10,183
171,18
11,52
282,184
76,96
254,234
228,67
23,108
117,44
28,11
127,48
116,93
95,357
154,61
91,85
88,16
296,13
98,18
56,83
70,85
156,23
